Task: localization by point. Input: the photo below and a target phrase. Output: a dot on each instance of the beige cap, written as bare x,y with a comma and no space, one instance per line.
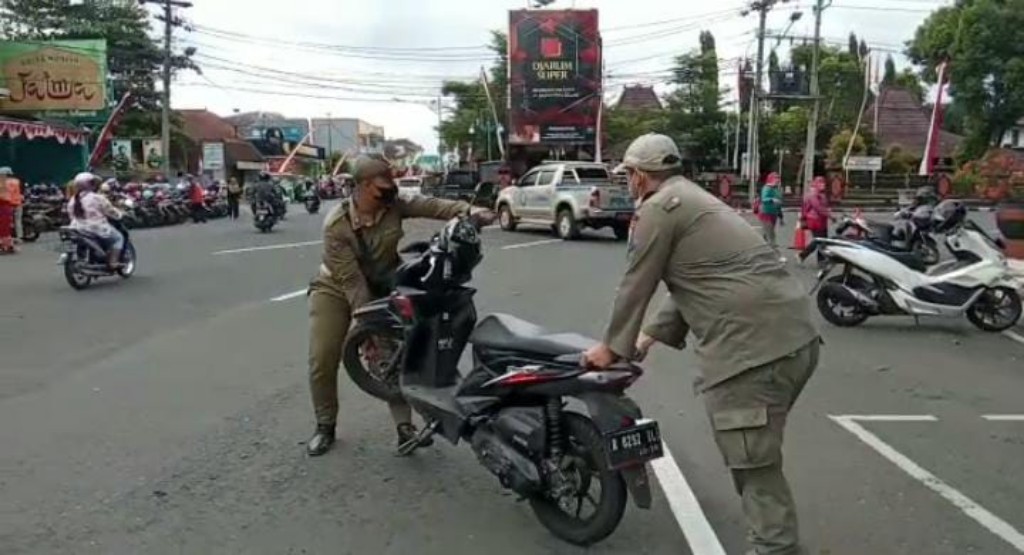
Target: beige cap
651,152
367,168
6,170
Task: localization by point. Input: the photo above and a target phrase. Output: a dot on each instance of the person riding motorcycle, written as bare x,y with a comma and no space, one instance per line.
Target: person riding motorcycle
90,211
266,191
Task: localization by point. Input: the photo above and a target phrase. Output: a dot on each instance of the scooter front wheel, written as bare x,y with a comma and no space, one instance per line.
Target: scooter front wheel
998,309
371,357
570,509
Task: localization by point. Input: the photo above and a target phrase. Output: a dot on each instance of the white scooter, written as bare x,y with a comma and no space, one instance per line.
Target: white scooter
978,283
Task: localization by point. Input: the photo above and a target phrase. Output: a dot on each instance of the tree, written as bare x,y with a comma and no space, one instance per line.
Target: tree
981,39
853,48
841,82
909,80
622,126
840,142
470,100
133,58
889,77
695,119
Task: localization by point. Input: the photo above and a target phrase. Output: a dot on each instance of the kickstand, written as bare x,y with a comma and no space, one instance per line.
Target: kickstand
917,320
408,447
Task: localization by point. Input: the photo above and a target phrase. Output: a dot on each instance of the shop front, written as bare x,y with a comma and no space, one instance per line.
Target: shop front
42,152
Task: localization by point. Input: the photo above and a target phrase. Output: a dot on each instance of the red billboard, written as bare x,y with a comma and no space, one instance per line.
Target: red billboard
554,61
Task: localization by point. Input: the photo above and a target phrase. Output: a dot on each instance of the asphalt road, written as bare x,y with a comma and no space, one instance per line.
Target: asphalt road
165,414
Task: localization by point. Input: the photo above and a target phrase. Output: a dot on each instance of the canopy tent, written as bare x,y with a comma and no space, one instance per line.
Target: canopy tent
42,152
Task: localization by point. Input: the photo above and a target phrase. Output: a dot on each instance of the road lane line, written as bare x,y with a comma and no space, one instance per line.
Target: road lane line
1014,336
288,296
531,244
886,417
269,247
982,516
1003,417
697,531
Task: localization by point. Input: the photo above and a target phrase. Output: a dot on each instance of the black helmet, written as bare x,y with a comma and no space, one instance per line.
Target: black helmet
926,195
949,214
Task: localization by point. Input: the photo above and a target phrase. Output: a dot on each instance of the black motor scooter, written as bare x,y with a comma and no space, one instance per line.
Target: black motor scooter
84,257
511,407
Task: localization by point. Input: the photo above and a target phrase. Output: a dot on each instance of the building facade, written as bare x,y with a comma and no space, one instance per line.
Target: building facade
348,135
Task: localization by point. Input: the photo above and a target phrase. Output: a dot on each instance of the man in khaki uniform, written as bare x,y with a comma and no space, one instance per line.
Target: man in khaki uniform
750,319
360,256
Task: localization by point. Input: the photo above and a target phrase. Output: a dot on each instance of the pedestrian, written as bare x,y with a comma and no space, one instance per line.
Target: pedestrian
360,257
770,209
8,186
815,212
17,199
197,201
234,194
750,319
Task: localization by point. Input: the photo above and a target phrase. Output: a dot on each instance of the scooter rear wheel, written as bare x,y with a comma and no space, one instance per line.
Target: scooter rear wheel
381,379
582,466
835,308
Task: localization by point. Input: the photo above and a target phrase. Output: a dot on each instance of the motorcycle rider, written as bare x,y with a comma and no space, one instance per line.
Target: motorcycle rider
89,211
360,257
264,190
750,318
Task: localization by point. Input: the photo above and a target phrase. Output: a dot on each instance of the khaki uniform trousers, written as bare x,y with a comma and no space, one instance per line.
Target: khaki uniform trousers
329,319
748,417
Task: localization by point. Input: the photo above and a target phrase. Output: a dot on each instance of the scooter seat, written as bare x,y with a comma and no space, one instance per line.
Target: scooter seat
508,333
908,259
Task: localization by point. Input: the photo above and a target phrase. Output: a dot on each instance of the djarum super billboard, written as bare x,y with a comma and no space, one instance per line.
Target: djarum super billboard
554,59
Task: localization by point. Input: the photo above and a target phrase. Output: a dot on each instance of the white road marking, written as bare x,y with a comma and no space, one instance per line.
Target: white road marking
288,296
270,247
699,534
885,417
1014,336
1003,417
982,516
531,244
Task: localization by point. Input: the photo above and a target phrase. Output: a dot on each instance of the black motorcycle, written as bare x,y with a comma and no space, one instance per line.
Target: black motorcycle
312,202
908,237
84,257
511,407
264,217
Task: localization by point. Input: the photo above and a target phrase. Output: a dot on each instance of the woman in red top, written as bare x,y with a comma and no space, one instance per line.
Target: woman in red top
197,200
815,213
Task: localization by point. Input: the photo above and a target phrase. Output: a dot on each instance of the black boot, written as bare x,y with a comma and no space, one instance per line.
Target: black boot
321,441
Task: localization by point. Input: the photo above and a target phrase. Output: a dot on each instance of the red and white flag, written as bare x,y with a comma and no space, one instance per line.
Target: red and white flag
107,133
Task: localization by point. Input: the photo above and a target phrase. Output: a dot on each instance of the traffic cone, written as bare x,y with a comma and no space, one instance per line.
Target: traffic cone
799,238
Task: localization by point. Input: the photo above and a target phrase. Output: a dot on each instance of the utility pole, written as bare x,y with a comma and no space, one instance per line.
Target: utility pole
165,116
812,123
753,160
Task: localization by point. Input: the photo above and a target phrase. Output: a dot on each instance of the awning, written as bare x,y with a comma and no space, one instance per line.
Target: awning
31,131
242,151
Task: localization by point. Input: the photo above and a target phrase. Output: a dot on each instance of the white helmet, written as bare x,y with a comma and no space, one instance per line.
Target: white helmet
86,178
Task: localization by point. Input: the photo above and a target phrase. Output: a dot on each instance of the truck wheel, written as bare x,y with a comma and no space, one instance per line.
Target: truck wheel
505,218
566,226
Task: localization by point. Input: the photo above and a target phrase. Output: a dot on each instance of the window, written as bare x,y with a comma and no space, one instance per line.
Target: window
527,180
547,177
591,174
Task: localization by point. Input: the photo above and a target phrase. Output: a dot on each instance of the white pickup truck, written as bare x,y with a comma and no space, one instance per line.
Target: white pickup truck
567,197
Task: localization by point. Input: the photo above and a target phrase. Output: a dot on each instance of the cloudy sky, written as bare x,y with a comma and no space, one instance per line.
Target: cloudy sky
383,60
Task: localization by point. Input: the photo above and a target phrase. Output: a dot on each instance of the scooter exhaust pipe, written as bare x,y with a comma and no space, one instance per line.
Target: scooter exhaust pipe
848,295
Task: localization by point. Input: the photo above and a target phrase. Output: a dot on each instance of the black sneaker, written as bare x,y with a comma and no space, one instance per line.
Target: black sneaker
321,441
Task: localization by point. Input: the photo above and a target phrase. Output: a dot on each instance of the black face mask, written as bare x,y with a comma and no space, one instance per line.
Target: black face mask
387,196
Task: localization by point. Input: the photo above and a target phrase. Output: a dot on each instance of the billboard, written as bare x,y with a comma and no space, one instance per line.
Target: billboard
152,153
121,154
554,59
61,75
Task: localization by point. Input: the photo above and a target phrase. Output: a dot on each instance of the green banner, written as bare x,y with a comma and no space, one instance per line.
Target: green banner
65,79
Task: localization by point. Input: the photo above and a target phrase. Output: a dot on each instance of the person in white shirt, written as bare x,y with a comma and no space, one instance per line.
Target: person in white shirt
90,212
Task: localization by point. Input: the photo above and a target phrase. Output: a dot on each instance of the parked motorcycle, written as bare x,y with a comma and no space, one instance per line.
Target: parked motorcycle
84,258
264,216
911,232
977,283
510,407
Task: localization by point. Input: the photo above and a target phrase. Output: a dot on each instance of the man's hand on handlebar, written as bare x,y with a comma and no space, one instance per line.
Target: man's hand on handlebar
482,217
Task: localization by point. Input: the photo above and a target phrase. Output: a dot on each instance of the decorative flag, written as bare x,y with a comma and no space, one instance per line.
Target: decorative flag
931,149
103,140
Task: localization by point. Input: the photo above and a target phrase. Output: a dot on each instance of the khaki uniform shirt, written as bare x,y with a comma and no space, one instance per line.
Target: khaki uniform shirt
725,284
340,269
